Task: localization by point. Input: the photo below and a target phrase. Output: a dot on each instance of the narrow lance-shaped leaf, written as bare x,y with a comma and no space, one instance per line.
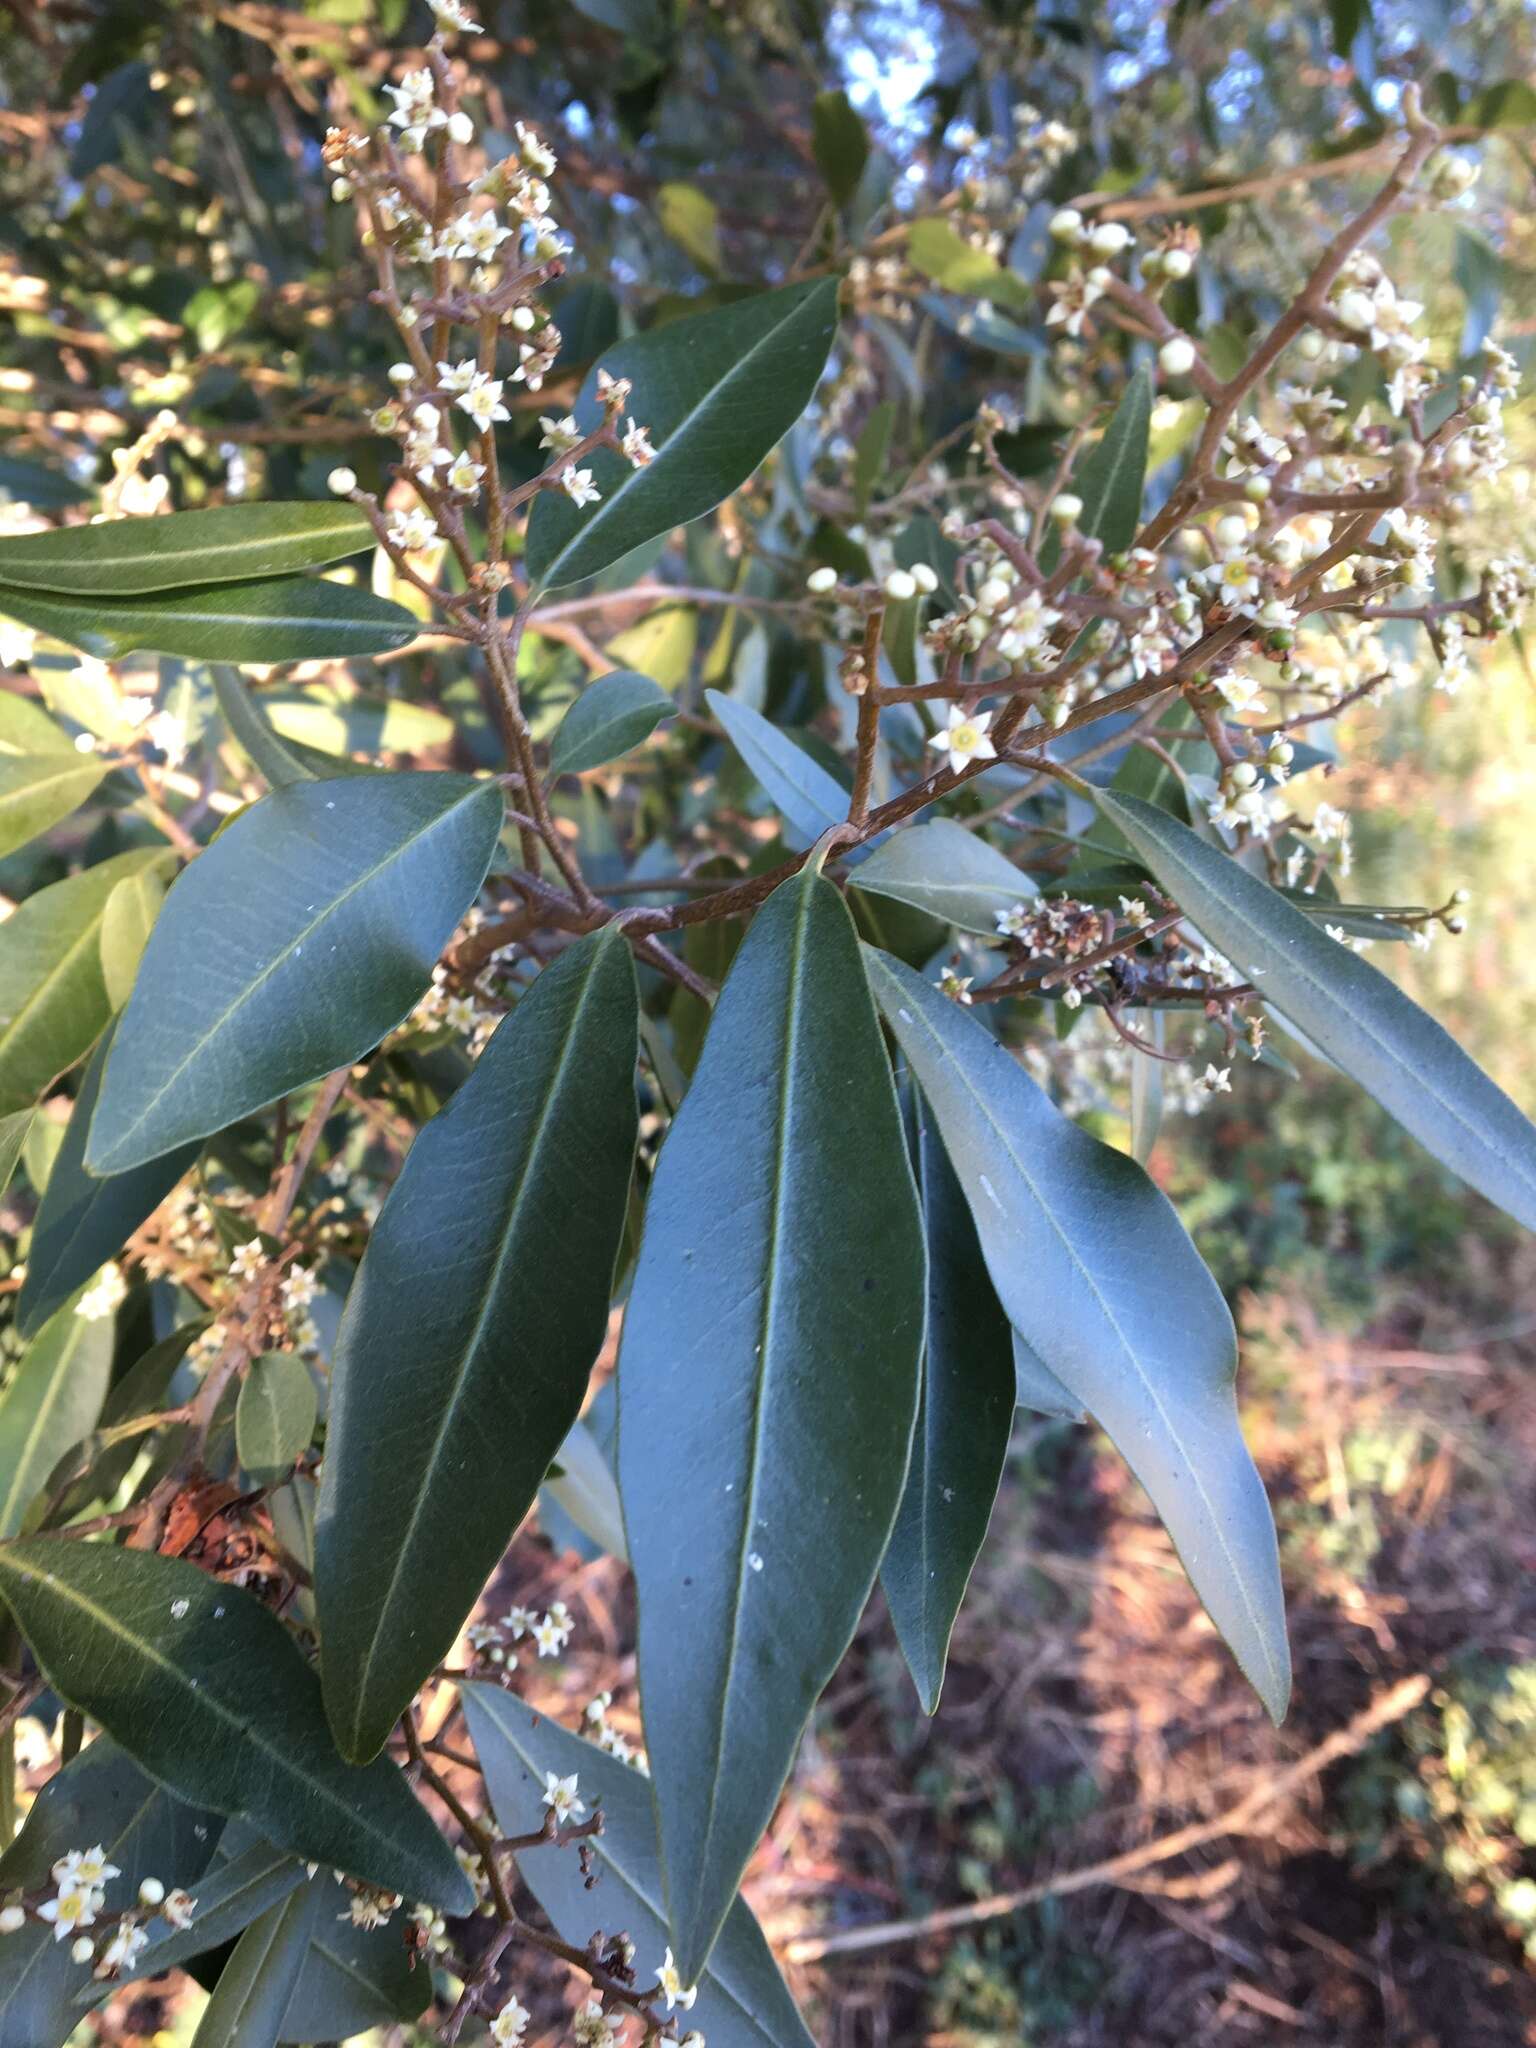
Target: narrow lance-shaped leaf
964,1419
743,2001
51,1401
290,618
715,393
275,1415
13,1136
1111,477
1346,1007
303,934
260,1977
610,716
1097,1275
470,1331
226,544
811,800
767,1386
279,760
949,872
83,1221
126,923
37,790
207,1690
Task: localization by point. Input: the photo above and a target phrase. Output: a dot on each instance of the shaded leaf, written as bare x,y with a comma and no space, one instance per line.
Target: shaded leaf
743,2001
716,392
770,1353
840,144
1036,1386
304,934
227,544
470,1331
37,790
691,218
810,799
953,874
256,1984
1111,477
205,1688
1095,1272
51,1401
275,1415
279,760
293,618
610,716
1345,1007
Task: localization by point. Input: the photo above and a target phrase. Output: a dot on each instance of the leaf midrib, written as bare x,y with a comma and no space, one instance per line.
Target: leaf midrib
161,556
52,1394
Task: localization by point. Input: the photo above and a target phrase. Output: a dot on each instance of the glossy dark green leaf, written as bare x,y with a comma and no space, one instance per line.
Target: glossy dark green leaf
810,799
51,1401
743,2002
964,1420
470,1331
1346,1007
279,760
716,393
353,1977
840,144
126,923
302,936
141,1390
259,1979
275,1415
770,1354
952,874
244,1883
610,716
206,1689
83,1221
1095,1272
1111,477
101,1796
288,618
37,790
228,544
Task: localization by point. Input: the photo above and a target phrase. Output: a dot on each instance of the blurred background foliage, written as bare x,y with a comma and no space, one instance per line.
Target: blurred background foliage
166,240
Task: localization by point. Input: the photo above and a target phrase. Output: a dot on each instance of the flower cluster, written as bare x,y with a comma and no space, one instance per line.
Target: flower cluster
549,1633
81,1878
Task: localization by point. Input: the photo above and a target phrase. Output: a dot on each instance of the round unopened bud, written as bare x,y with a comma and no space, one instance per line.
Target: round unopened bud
1231,530
1256,489
1461,895
1455,926
1242,775
1182,611
992,595
1066,507
1251,804
82,1950
1356,311
1281,753
1281,640
1177,263
900,586
151,1891
341,188
12,1919
1109,238
1176,357
523,320
821,581
925,578
400,373
1066,224
1309,346
460,127
342,481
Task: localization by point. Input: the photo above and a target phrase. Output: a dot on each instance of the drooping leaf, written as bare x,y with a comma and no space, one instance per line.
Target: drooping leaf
610,716
840,144
228,544
743,2001
206,1689
964,1419
1111,477
288,618
275,1415
770,1353
716,393
952,874
37,790
50,1402
102,1796
126,923
470,1331
83,1221
303,934
810,799
585,1489
1096,1273
1346,1007
261,1976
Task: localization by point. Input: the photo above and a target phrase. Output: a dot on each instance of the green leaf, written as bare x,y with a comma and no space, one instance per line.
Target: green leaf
1110,478
242,1885
26,728
353,1978
83,1221
1036,1386
37,790
964,1420
743,2002
50,1402
141,1390
770,1353
279,760
1511,103
303,935
810,799
53,998
953,874
291,618
840,144
610,716
13,1136
470,1331
691,218
870,453
939,251
261,1976
205,1688
230,544
717,392
1346,1007
102,1796
1096,1273
275,1415
126,923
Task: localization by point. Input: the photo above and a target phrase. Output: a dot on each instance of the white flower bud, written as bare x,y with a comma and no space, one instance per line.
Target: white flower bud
523,320
1231,530
1066,225
12,1920
342,481
460,127
1176,358
151,1892
1242,775
341,188
82,1950
1109,238
1356,311
1177,263
1461,895
1309,346
1066,507
925,578
899,586
1256,489
821,581
993,595
400,373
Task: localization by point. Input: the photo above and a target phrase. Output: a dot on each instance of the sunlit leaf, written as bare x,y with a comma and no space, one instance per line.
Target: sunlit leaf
227,544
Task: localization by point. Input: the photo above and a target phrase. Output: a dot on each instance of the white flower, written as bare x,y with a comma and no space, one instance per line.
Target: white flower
591,2026
17,643
457,377
122,1951
551,1636
560,1797
636,445
956,986
964,737
451,14
464,475
248,1260
476,236
69,1912
371,1908
1013,922
299,1288
537,155
481,399
103,1297
1134,911
411,530
578,486
1217,1080
511,2023
613,392
559,436
178,1909
518,1622
84,1869
672,1985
